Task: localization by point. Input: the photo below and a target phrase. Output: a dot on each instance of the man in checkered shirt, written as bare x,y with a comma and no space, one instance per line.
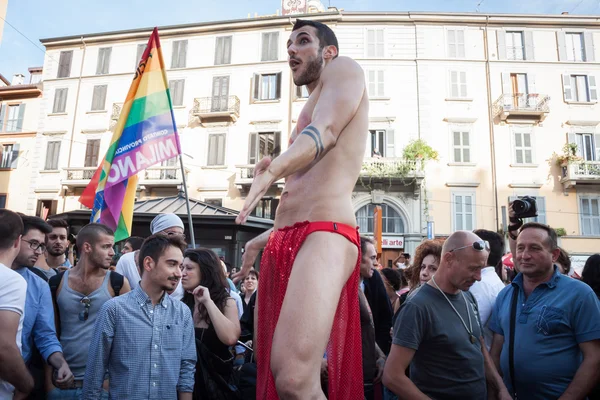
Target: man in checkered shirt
145,339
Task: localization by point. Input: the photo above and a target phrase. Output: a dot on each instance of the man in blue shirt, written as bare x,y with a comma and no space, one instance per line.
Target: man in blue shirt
38,324
557,323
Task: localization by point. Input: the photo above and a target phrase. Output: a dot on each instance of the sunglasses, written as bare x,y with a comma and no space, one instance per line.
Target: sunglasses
479,245
84,315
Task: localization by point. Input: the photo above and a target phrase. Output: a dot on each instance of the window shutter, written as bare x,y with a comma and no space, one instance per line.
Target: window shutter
256,91
460,44
501,39
597,145
391,141
454,84
21,117
14,160
221,149
463,84
588,42
183,54
227,50
2,112
541,207
452,43
64,64
219,43
507,90
252,148
567,88
592,88
139,54
370,43
531,84
380,83
212,151
265,47
273,46
60,101
529,55
278,88
562,46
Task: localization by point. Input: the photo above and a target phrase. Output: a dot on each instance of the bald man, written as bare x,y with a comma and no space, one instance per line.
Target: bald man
438,332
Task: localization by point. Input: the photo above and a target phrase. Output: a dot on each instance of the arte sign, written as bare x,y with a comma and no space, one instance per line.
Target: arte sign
293,7
392,242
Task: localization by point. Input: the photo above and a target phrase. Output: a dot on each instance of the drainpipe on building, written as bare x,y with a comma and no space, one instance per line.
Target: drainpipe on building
75,114
417,81
490,120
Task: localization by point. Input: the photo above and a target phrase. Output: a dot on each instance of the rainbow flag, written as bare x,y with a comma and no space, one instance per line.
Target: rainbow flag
146,134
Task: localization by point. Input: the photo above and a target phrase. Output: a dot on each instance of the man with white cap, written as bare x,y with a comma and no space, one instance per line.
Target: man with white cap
166,224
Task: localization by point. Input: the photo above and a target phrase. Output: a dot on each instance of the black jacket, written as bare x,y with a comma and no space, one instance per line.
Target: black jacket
381,309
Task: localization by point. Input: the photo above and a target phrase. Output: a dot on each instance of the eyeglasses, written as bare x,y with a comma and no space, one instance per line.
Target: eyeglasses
479,245
35,245
87,302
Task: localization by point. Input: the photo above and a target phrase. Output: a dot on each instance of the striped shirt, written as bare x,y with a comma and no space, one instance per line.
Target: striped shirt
149,351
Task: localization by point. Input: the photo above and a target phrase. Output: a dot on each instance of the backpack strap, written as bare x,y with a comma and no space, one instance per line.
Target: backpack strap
38,273
511,340
54,283
116,282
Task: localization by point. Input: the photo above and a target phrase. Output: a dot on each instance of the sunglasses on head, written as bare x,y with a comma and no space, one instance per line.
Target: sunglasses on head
87,302
479,245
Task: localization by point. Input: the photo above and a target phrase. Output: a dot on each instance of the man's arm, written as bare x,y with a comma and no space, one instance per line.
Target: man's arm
496,350
496,387
184,395
12,366
185,385
99,351
587,374
251,250
394,374
44,329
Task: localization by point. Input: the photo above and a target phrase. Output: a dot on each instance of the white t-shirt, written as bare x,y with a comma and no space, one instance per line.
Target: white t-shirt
127,267
13,290
485,292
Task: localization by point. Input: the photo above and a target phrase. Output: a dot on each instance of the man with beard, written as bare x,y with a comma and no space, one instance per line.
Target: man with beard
311,261
79,294
39,334
145,339
56,250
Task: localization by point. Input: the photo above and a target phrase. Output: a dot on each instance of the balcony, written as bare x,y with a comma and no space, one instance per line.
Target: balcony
162,176
392,171
245,176
115,114
77,176
216,109
522,106
580,173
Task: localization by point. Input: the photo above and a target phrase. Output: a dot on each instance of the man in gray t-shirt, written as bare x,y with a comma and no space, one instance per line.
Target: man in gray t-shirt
438,332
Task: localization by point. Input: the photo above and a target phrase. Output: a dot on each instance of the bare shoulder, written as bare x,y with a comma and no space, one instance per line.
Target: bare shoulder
343,67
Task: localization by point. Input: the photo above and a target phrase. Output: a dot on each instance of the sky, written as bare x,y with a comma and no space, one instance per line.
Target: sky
38,19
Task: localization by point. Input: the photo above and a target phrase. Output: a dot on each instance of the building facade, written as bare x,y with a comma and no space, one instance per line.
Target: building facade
494,95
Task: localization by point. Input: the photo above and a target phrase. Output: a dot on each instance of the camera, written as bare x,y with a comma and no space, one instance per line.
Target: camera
525,207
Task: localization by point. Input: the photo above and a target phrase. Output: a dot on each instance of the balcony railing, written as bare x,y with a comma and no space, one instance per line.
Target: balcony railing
586,172
217,106
245,175
522,105
390,168
163,173
80,173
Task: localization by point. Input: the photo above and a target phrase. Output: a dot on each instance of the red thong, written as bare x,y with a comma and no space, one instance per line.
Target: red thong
344,351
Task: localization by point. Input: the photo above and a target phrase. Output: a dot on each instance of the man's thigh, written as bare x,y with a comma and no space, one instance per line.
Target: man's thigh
321,269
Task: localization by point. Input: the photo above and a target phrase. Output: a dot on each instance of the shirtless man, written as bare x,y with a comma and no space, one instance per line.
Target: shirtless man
310,282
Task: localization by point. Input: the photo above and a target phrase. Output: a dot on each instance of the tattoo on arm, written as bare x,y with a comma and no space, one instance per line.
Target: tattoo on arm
314,133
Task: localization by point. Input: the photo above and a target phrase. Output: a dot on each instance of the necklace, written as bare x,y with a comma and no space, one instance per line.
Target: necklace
470,328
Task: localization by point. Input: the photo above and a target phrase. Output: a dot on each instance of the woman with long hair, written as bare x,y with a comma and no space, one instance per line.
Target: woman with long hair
427,260
216,323
395,285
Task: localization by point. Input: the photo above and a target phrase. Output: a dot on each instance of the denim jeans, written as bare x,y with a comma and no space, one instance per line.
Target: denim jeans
70,394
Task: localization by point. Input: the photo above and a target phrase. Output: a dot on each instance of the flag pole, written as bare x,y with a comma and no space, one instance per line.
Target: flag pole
187,202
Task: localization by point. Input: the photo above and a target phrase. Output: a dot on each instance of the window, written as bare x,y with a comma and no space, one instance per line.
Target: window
391,220
3,200
580,88
590,216
375,43
60,101
461,146
376,83
456,43
302,92
458,84
103,60
220,94
52,154
267,86
541,209
216,149
139,54
463,211
214,202
176,89
523,148
64,64
179,55
223,50
515,49
266,208
382,143
92,151
9,154
575,49
270,44
263,144
99,98
587,146
13,114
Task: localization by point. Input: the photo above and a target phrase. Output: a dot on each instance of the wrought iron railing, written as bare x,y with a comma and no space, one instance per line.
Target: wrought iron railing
216,104
390,167
163,173
80,173
584,169
522,102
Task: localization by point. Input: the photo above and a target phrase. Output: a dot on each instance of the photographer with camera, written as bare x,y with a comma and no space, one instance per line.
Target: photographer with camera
546,326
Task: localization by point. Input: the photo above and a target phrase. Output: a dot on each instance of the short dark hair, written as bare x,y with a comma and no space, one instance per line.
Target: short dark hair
254,272
564,259
552,240
59,223
324,33
496,245
364,241
406,255
154,246
91,232
30,222
394,278
135,242
11,227
591,273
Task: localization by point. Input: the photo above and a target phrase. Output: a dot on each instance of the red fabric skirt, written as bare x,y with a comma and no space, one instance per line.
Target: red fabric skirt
344,351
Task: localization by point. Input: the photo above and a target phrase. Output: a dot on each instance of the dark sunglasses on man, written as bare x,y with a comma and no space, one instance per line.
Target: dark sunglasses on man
84,315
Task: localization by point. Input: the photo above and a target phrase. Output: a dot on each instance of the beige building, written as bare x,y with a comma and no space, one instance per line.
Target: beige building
494,95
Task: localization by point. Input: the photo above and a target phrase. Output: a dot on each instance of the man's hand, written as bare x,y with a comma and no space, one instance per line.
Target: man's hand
261,183
380,368
248,258
63,378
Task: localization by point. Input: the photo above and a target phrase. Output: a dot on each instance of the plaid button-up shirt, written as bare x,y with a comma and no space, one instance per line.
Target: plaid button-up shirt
149,351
